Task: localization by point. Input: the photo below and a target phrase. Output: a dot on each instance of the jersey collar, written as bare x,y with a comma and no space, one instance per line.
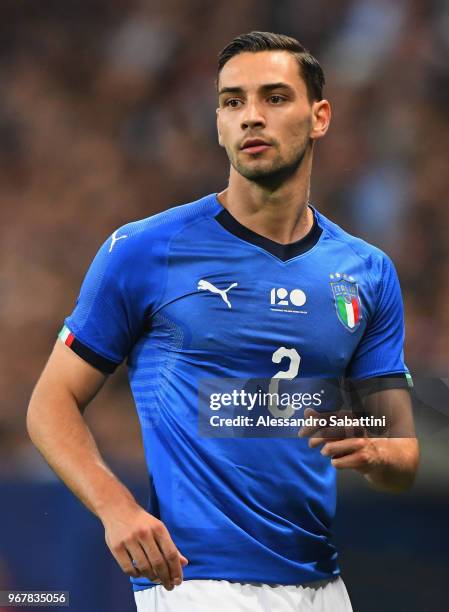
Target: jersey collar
284,252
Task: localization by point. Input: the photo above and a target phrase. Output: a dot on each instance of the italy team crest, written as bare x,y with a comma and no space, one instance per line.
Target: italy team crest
347,300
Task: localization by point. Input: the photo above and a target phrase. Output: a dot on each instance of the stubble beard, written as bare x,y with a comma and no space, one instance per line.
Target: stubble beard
271,173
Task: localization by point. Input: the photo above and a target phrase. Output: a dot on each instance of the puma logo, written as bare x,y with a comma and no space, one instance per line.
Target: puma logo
207,286
115,239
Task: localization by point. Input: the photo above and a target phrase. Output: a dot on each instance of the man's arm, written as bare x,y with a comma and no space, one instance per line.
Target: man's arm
389,463
57,428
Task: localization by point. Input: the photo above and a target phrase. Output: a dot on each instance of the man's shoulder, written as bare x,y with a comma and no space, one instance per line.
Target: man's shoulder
168,222
371,254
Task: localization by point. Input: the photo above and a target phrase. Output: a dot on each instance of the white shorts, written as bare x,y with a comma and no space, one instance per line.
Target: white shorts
224,596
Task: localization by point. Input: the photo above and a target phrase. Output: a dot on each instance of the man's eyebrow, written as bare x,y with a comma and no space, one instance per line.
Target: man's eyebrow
265,87
235,89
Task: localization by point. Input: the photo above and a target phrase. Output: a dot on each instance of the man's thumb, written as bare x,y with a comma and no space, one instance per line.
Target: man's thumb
183,559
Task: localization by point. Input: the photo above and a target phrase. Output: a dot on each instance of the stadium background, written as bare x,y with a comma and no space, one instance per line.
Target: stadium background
107,115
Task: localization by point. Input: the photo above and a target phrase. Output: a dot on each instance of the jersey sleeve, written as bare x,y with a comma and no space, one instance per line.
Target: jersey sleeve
380,353
111,307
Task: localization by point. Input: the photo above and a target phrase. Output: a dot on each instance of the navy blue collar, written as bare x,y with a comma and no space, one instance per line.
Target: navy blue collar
283,252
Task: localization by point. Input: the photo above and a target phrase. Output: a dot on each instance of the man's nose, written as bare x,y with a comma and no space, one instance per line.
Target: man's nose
252,116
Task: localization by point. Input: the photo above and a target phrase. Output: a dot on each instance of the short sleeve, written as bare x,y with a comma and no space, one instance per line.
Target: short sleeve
381,349
110,309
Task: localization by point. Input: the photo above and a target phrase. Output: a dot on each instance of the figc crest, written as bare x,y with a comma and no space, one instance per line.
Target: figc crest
347,300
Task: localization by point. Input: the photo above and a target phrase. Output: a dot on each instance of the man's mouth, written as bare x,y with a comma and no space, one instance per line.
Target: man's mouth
255,145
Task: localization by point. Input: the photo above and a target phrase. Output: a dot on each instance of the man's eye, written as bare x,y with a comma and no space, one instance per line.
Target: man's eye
276,99
232,102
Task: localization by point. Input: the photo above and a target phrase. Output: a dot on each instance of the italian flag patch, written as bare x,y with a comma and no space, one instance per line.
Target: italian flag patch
347,300
349,310
66,336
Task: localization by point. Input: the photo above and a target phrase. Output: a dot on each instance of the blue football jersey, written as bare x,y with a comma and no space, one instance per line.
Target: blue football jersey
191,295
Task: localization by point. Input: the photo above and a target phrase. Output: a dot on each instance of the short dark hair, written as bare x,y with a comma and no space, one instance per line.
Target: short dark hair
310,69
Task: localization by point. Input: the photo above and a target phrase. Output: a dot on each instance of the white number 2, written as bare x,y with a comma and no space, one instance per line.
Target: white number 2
292,371
295,360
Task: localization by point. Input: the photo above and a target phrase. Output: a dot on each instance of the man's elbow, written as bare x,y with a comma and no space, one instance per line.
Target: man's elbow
34,417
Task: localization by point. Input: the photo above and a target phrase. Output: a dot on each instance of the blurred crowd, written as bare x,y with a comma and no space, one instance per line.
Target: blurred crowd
107,114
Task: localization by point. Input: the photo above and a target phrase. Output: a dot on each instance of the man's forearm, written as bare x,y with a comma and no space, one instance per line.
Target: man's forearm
398,462
58,429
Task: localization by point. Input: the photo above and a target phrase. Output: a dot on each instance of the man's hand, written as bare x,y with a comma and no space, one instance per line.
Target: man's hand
359,453
388,464
133,535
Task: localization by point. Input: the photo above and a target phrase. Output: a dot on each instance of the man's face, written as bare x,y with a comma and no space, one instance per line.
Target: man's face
262,97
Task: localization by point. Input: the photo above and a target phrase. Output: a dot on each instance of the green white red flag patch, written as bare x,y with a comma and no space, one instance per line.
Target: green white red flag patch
66,336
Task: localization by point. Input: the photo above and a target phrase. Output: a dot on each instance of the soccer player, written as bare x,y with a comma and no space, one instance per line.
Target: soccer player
249,283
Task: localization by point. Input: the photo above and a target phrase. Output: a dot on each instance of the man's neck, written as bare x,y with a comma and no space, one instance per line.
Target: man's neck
281,214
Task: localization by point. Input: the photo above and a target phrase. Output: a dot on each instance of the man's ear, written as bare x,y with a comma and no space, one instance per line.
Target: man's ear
321,117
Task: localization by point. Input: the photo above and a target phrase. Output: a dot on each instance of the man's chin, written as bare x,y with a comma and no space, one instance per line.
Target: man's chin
259,173
257,167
